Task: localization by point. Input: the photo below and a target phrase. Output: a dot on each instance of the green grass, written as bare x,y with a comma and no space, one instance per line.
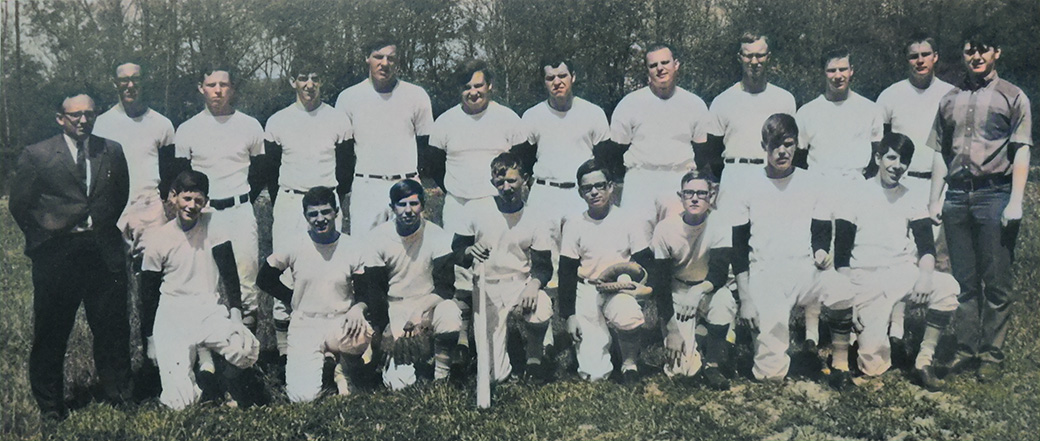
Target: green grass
656,409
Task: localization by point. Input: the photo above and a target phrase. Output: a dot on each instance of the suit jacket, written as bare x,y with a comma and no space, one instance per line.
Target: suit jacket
48,199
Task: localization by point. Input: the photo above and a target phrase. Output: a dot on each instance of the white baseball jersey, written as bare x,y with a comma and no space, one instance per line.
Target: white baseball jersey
510,236
564,139
737,116
839,133
882,217
780,212
185,258
911,111
308,141
661,132
598,244
688,245
471,142
322,273
141,138
409,260
220,147
386,124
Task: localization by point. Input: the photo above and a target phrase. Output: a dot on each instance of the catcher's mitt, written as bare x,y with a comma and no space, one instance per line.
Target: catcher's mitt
624,278
416,348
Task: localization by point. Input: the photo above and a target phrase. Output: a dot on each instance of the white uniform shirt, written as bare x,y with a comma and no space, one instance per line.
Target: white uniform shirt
564,139
598,244
308,141
386,124
661,132
185,258
471,142
409,260
322,273
882,217
220,147
738,116
688,245
781,213
511,237
141,139
839,133
911,111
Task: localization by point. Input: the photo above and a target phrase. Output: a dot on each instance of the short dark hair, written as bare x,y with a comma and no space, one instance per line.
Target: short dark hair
920,37
703,175
465,71
749,37
190,181
320,196
554,60
658,45
896,142
209,71
505,161
590,166
981,36
378,43
306,64
835,53
777,128
406,188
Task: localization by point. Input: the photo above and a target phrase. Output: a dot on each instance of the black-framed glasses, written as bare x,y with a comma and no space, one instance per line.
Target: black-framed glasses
977,50
89,114
691,194
601,186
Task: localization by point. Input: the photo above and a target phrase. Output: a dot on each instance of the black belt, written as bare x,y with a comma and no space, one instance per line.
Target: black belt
388,177
744,161
919,175
979,183
689,283
221,204
289,190
555,184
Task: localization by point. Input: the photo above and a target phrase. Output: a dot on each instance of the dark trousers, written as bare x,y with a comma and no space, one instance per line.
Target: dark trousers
66,272
981,252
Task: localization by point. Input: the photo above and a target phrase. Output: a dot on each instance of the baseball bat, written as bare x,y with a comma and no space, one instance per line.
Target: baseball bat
483,346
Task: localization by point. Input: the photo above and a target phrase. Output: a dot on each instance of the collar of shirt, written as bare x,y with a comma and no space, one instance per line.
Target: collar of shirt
72,145
973,85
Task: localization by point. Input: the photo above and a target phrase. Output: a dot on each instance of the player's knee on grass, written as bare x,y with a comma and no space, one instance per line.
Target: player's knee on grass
838,292
447,317
543,309
623,312
944,293
303,373
722,308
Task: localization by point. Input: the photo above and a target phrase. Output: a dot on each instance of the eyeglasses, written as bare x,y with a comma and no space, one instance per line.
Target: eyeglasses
601,186
88,114
759,56
915,56
977,49
691,194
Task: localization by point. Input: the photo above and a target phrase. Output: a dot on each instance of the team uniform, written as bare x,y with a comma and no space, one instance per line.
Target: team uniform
685,248
221,147
385,126
141,138
883,264
596,245
323,292
414,271
661,134
781,272
189,316
839,136
513,238
565,141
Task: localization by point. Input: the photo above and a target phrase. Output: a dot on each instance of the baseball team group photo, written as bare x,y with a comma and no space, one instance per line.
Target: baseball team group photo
495,219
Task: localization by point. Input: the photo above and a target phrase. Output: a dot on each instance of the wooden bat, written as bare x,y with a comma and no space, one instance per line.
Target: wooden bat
483,345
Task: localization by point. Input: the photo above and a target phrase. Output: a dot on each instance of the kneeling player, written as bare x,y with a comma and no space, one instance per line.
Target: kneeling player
593,241
691,254
326,318
513,245
874,246
781,238
410,280
184,262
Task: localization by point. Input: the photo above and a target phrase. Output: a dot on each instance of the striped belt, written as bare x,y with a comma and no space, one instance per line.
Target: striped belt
387,177
555,184
744,161
221,204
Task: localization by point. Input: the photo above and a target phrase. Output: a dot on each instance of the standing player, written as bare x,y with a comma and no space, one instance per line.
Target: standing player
780,256
409,272
691,264
183,263
223,143
513,244
391,119
909,108
884,242
594,240
983,133
656,128
306,143
326,316
565,131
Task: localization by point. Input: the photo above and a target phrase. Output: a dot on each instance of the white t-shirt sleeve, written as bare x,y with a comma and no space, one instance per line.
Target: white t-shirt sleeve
422,120
167,133
885,101
877,129
345,129
600,128
569,242
702,124
153,258
280,261
542,240
637,238
532,130
256,143
182,144
272,129
659,245
621,125
439,133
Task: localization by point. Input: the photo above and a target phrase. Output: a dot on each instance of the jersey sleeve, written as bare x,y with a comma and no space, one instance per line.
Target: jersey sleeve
877,123
637,236
532,129
570,242
182,143
166,138
700,123
885,101
600,126
272,130
800,118
154,256
279,261
621,130
439,131
1021,120
344,128
518,132
422,119
542,239
659,245
256,144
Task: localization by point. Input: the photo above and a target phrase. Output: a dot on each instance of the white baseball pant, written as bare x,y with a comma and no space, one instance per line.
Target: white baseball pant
455,214
719,308
444,318
503,297
311,336
238,223
369,204
597,314
651,195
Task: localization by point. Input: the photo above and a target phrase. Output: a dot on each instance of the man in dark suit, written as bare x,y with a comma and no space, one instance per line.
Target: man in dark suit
67,195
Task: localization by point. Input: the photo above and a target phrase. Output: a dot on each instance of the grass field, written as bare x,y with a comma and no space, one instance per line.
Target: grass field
887,408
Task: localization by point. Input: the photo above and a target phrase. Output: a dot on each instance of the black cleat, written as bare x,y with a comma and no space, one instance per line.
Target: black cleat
714,379
960,363
210,385
536,373
630,377
809,347
928,380
840,380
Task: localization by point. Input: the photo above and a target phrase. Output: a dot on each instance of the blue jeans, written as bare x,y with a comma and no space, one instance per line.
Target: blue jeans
981,253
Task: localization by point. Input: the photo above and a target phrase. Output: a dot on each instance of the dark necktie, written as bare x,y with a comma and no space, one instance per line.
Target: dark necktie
81,159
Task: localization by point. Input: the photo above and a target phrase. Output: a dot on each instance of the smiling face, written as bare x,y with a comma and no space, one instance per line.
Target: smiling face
77,117
476,94
662,68
128,83
922,58
890,168
980,59
754,58
408,212
308,89
321,219
217,90
839,75
189,205
382,65
596,189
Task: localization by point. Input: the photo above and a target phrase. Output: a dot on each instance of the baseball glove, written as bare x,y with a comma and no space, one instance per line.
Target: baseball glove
242,348
624,278
416,348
